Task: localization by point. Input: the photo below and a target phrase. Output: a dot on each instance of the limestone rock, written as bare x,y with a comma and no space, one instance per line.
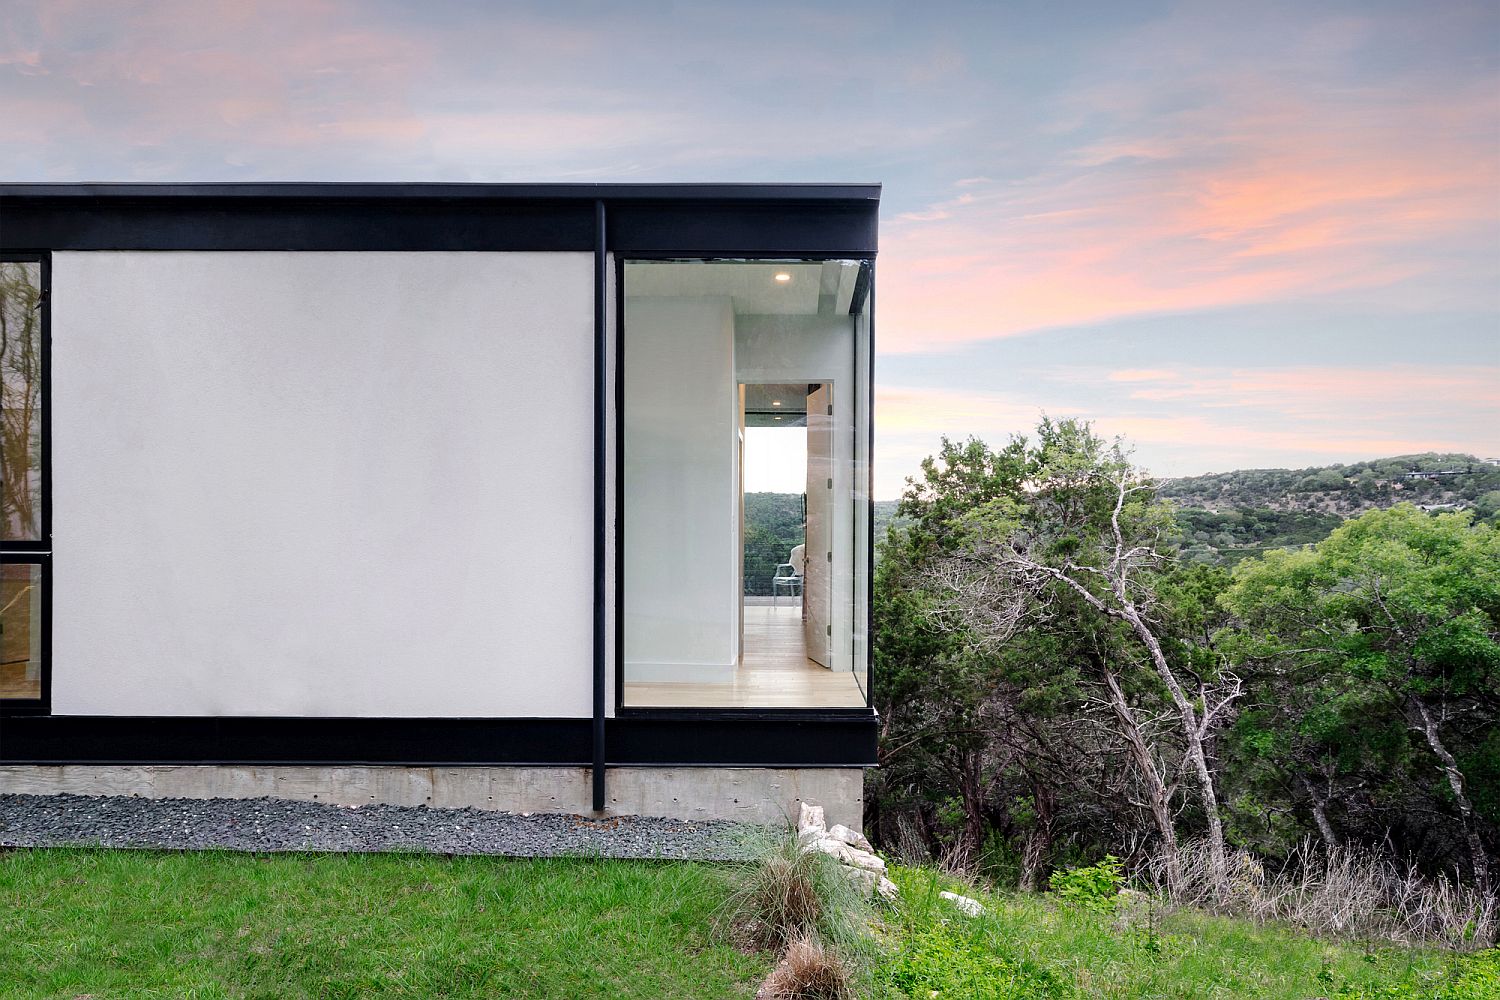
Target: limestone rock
846,855
872,883
969,907
853,838
864,859
867,882
811,818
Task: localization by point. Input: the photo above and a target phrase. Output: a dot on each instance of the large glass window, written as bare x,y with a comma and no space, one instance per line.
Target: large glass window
24,542
744,529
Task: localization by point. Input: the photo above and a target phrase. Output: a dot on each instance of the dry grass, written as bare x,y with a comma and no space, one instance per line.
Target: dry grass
809,971
1342,893
775,900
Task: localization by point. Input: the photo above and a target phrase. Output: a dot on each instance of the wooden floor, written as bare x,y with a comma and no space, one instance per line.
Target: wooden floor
774,672
13,682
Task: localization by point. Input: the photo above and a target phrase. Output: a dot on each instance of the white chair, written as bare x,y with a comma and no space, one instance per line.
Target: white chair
786,576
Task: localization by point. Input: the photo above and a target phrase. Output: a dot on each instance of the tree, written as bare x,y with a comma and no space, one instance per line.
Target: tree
1085,539
1403,604
994,730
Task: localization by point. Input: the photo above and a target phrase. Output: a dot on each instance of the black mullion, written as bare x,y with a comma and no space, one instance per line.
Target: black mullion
601,289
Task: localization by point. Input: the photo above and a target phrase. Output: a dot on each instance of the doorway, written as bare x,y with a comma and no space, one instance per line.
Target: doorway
786,474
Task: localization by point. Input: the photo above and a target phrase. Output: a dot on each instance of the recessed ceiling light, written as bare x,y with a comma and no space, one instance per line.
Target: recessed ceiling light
775,418
783,276
775,402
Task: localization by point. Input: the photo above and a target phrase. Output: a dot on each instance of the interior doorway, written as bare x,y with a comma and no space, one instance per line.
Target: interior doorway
786,473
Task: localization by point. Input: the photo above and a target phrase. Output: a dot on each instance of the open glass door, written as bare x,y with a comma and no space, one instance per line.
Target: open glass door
818,621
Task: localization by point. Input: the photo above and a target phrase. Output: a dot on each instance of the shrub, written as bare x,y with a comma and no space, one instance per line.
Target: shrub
1342,893
787,893
1096,887
810,972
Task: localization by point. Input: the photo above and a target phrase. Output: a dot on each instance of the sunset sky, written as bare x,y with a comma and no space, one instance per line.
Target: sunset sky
1239,234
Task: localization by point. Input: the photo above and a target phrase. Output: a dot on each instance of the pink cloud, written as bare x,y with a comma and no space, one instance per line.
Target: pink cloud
1271,191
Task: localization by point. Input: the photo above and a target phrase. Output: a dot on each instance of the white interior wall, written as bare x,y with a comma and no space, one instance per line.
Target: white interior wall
682,590
322,484
815,349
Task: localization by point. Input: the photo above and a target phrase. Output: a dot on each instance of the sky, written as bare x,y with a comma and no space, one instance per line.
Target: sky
1239,235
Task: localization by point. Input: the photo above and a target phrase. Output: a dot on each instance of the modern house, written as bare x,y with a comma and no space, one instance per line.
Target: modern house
436,493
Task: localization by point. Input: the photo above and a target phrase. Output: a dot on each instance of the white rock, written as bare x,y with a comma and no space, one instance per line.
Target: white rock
836,849
846,855
853,838
971,907
811,818
872,883
868,882
865,860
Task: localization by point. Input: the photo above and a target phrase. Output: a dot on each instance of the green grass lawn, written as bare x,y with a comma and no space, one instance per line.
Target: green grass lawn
146,924
108,924
1029,946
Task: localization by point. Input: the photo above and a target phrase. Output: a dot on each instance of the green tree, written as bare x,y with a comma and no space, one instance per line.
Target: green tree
1395,607
1085,542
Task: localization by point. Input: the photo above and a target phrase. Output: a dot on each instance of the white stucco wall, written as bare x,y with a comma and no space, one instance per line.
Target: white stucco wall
325,484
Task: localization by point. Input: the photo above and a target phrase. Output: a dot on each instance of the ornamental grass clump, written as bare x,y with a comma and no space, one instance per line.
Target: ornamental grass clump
787,892
809,971
774,899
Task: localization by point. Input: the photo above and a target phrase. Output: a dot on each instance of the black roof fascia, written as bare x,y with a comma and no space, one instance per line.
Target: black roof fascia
692,219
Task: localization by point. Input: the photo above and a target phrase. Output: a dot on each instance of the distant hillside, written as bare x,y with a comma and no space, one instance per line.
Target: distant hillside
1432,480
1226,516
885,515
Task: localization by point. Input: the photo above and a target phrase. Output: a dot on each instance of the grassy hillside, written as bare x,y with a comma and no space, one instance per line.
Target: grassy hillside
1029,946
81,922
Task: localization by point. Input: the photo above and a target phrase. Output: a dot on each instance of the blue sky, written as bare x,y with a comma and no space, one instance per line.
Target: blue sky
1239,234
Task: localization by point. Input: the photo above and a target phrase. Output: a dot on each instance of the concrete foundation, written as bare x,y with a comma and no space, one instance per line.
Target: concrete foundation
743,794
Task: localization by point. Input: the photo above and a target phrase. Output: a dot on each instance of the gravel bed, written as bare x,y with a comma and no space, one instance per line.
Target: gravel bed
283,825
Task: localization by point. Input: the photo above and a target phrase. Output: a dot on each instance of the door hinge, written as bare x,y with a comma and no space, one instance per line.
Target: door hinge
830,409
830,557
830,630
830,482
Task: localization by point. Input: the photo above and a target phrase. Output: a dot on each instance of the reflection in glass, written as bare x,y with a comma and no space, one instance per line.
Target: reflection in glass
740,457
20,630
20,401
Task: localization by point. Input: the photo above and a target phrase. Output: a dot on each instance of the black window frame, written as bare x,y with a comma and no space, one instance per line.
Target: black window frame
38,552
866,288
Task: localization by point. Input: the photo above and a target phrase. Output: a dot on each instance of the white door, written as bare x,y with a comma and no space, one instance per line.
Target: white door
817,587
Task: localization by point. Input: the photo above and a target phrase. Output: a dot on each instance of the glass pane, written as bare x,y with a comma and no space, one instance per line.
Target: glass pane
20,401
740,418
20,630
860,489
